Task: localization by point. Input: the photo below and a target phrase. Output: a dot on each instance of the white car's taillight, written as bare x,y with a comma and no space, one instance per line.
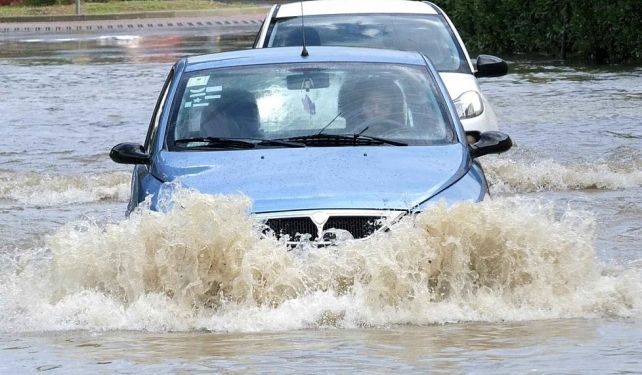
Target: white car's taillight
469,104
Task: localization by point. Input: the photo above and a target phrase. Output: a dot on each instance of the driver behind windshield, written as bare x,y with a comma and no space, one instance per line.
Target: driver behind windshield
372,106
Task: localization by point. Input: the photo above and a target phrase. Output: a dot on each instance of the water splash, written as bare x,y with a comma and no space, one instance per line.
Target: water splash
511,176
48,190
203,265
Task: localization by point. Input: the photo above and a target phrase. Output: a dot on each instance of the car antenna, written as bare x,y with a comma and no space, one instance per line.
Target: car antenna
304,52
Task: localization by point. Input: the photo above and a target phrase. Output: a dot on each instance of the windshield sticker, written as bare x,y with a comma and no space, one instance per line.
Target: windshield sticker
196,103
212,97
198,81
214,88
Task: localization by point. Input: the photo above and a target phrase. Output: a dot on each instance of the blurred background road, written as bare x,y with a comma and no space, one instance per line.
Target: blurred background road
219,18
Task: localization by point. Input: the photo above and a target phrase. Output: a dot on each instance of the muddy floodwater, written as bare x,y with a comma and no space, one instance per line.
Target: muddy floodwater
545,277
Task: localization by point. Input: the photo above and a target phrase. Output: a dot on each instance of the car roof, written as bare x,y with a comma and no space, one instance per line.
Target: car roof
355,7
280,55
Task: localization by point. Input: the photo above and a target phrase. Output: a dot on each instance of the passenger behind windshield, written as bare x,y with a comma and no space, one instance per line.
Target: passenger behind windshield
234,114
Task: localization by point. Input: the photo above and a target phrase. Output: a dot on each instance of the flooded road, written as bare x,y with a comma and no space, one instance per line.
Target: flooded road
84,290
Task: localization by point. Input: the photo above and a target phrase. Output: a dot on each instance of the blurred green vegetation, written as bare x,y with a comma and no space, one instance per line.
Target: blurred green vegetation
598,31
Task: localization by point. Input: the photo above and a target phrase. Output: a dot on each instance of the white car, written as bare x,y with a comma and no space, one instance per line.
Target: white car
391,24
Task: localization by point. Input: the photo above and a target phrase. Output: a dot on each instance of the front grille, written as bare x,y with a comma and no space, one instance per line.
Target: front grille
358,226
293,227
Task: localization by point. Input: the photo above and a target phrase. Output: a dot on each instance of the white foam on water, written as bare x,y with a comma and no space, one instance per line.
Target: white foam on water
47,190
511,176
203,265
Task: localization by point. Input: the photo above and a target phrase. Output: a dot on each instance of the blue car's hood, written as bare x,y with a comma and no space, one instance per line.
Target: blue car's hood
381,177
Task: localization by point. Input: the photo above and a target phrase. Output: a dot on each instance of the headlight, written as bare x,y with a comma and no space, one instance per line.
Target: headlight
469,104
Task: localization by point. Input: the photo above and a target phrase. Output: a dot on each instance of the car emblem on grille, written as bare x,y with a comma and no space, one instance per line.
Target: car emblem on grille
319,219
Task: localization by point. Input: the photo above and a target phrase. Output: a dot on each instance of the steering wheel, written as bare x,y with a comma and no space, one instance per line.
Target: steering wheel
379,127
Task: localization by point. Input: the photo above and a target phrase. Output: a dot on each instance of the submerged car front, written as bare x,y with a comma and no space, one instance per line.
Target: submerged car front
326,141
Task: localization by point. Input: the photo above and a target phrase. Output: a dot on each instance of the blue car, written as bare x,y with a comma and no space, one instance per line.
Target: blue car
328,142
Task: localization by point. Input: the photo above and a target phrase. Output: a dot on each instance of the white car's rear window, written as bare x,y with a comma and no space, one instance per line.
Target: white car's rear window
428,34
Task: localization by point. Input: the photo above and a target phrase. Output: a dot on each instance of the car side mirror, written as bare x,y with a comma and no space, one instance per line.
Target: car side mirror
129,153
491,142
490,66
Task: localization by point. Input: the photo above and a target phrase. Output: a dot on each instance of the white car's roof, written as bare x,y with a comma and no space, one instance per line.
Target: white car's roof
354,6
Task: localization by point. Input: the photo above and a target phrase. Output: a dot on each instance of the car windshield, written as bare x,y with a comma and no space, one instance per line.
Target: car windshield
309,105
426,33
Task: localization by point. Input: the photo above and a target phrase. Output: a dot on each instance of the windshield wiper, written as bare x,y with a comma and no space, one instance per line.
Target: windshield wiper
216,142
343,140
235,143
279,142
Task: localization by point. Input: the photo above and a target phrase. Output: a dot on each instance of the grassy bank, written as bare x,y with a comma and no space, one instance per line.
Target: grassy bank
116,7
